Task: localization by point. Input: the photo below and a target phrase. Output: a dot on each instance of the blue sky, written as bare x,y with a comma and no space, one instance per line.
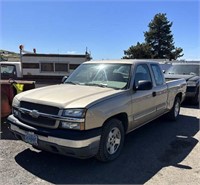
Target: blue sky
106,28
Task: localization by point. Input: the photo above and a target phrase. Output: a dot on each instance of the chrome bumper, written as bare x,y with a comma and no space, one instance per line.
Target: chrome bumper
78,148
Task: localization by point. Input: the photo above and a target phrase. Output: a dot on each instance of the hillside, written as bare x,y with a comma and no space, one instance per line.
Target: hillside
8,55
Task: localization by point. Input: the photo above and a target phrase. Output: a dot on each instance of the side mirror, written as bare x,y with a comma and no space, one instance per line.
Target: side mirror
63,79
144,85
163,71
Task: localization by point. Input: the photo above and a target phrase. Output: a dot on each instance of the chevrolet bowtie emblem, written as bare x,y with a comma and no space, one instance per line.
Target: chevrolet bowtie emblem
34,114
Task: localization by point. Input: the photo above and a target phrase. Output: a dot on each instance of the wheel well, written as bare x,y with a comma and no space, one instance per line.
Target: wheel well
179,95
123,118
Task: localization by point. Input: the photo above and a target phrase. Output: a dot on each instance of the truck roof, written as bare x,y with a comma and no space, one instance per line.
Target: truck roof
10,62
121,61
189,64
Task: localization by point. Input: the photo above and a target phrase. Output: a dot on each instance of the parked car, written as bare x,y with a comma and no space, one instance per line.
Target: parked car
191,73
90,113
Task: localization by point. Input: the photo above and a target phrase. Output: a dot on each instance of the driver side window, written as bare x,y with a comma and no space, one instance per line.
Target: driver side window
142,73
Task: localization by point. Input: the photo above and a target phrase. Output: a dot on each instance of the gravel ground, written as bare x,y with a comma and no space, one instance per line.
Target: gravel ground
188,170
161,152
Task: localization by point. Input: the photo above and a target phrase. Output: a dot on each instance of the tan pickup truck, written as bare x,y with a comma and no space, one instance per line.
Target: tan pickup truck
96,106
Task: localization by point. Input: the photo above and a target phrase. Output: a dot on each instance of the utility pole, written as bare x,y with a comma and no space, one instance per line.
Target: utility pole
21,47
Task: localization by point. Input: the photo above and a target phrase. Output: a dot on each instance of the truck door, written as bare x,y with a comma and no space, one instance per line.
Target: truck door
143,102
160,89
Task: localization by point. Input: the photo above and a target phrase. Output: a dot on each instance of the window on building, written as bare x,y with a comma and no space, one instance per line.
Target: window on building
30,65
47,67
61,67
73,66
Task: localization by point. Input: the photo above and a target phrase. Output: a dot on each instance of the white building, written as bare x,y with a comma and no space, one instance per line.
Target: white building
50,66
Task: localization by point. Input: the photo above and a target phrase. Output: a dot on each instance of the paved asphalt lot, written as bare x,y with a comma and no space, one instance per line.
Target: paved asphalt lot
161,152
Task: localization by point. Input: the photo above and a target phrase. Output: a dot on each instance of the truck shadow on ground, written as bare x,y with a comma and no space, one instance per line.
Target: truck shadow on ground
146,151
187,104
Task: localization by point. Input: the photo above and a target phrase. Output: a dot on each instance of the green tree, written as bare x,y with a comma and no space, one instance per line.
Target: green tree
158,41
139,51
160,38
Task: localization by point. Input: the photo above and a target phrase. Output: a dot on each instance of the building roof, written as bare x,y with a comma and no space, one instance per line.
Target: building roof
54,55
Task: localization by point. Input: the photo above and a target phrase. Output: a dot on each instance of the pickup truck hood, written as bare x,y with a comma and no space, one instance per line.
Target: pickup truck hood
177,76
67,95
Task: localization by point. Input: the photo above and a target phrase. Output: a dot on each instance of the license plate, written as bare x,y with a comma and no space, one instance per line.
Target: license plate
31,138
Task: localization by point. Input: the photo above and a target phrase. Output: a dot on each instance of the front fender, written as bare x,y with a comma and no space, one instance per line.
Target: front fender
97,114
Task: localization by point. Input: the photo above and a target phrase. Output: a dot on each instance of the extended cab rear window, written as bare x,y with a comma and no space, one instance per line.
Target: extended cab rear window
158,76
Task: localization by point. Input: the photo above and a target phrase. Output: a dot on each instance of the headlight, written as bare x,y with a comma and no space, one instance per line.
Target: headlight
72,125
192,84
75,113
15,112
15,102
74,119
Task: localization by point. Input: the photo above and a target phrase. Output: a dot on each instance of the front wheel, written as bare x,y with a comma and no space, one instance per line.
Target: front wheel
174,112
112,140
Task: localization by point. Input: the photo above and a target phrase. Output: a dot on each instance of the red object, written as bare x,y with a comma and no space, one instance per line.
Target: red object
7,95
7,89
5,107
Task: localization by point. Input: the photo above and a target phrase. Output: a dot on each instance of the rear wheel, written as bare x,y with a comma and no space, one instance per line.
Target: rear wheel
112,140
174,112
196,98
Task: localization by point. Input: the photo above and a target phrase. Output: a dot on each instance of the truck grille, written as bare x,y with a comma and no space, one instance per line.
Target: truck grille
40,108
40,121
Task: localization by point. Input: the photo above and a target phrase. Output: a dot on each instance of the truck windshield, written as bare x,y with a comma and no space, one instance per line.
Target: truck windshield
103,75
193,69
8,71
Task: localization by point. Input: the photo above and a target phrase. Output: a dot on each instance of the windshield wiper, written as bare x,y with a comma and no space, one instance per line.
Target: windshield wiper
94,84
101,85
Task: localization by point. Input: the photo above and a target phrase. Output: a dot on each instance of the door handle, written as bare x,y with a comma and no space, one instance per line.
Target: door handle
153,94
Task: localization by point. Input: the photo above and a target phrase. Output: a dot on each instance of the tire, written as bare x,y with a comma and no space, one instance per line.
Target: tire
112,140
174,112
196,98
